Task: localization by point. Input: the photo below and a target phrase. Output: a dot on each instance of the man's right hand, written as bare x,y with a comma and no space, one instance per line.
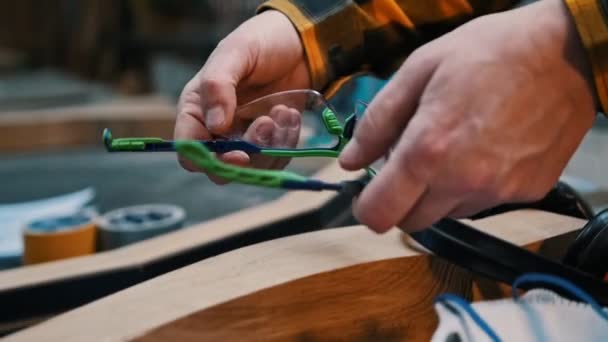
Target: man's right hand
262,56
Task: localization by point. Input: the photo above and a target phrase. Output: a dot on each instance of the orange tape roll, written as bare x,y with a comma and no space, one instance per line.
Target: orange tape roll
59,238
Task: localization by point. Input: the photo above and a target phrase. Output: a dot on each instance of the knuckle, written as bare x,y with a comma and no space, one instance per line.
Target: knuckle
430,148
419,55
189,97
189,87
479,180
189,93
210,86
415,169
435,149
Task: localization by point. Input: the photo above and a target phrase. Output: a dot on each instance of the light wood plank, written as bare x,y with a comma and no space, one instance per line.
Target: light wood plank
289,205
137,310
77,126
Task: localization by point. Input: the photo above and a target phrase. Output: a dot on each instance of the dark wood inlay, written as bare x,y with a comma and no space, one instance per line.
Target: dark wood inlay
389,300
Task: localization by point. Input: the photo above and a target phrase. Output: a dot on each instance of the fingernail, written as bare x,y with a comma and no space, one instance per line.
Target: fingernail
283,120
350,154
294,120
263,133
214,117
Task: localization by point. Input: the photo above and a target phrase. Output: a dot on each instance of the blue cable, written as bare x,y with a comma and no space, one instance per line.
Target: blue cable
525,278
562,283
466,306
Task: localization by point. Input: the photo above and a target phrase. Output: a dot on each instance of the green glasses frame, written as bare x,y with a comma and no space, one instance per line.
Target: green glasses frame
199,152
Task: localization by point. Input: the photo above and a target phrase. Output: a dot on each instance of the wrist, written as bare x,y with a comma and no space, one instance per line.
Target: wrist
315,55
285,29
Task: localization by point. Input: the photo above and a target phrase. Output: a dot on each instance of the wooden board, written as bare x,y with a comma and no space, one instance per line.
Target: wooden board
38,291
337,284
77,126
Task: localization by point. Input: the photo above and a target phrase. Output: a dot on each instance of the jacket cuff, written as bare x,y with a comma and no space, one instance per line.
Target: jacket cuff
314,55
591,21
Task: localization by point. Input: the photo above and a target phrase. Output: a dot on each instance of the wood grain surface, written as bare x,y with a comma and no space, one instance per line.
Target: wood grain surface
389,300
77,126
288,205
37,292
239,285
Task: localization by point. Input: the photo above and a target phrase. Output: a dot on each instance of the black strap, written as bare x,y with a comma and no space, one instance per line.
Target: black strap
562,199
500,260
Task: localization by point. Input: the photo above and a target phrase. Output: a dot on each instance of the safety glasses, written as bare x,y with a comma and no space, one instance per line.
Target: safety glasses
271,130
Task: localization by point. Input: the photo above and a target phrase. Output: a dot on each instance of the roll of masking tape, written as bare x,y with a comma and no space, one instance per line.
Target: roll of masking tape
59,237
125,226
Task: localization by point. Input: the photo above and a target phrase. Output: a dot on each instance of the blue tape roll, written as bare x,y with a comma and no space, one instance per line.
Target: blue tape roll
59,223
125,226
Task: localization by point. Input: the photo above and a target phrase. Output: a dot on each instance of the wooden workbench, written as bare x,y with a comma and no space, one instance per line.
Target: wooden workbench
338,284
82,125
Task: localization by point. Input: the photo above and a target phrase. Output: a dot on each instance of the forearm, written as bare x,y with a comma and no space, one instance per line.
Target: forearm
342,38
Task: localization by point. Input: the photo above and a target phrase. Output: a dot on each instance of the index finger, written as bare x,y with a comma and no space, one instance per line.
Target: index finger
388,114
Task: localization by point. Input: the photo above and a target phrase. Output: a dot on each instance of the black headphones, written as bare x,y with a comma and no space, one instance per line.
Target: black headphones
585,262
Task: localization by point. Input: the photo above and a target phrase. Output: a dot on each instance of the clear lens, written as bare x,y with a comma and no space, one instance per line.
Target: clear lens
359,111
289,119
295,119
360,108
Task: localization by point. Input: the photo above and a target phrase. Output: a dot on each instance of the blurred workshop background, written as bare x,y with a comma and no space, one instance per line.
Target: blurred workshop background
69,68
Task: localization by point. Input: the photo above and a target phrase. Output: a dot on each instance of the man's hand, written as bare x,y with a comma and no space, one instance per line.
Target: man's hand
487,114
262,56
